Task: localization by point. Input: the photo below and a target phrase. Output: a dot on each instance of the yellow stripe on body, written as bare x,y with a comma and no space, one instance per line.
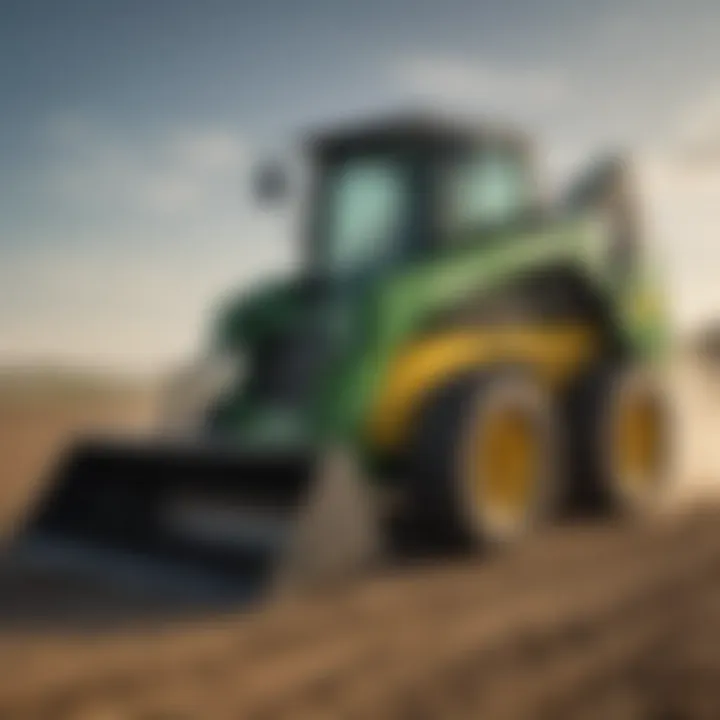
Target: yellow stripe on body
556,353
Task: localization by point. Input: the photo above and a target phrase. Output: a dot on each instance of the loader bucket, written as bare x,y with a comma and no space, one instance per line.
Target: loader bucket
203,519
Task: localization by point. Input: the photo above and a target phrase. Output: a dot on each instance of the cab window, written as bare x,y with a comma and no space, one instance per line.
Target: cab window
367,204
487,189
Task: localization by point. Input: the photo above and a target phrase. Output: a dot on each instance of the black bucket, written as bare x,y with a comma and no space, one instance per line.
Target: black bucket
201,517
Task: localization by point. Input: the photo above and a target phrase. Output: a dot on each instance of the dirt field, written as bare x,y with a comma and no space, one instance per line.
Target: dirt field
37,421
586,622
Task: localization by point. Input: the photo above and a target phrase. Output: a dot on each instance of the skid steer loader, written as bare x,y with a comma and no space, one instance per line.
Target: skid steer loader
455,362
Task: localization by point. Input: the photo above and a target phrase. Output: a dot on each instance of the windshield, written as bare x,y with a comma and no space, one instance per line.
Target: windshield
365,206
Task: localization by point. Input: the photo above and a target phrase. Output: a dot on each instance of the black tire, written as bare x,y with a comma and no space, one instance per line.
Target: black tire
436,478
596,483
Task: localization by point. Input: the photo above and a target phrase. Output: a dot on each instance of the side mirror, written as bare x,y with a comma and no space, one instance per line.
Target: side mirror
270,183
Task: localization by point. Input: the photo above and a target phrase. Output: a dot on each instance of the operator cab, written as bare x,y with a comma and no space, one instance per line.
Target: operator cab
411,187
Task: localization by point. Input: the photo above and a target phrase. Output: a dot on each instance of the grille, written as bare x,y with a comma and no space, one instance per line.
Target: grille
286,369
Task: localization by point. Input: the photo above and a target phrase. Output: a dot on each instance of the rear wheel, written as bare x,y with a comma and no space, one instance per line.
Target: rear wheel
483,461
620,425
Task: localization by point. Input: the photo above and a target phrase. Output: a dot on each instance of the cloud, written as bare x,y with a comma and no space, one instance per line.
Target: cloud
679,175
695,134
479,85
138,234
176,172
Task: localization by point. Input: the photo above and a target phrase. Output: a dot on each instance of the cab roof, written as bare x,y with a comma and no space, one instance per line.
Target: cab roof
414,128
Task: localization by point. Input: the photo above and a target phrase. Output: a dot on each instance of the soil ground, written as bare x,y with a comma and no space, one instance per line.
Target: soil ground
587,621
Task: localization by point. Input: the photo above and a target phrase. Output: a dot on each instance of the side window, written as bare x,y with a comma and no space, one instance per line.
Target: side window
484,190
368,207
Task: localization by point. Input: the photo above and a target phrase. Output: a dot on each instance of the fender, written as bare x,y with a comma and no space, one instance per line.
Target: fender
556,353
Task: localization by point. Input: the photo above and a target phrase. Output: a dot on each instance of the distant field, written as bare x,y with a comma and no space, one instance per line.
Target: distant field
40,412
26,384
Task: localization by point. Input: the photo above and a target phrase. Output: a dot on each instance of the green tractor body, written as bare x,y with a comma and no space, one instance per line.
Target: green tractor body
428,260
318,347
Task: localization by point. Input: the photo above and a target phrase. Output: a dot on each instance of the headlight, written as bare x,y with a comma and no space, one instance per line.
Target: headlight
192,390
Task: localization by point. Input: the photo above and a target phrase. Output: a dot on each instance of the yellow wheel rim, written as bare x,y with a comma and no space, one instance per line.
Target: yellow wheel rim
637,443
507,461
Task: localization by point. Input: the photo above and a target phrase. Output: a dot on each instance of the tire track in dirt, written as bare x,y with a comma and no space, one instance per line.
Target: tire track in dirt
290,628
561,626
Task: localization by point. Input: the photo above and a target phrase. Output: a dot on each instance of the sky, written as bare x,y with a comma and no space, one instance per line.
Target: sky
128,130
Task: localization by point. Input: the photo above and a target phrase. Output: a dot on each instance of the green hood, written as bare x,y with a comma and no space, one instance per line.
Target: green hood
292,334
247,317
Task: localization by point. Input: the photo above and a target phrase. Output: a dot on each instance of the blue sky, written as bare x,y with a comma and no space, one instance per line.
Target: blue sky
128,128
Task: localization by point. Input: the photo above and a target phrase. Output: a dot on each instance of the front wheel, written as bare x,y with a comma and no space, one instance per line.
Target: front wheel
484,459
